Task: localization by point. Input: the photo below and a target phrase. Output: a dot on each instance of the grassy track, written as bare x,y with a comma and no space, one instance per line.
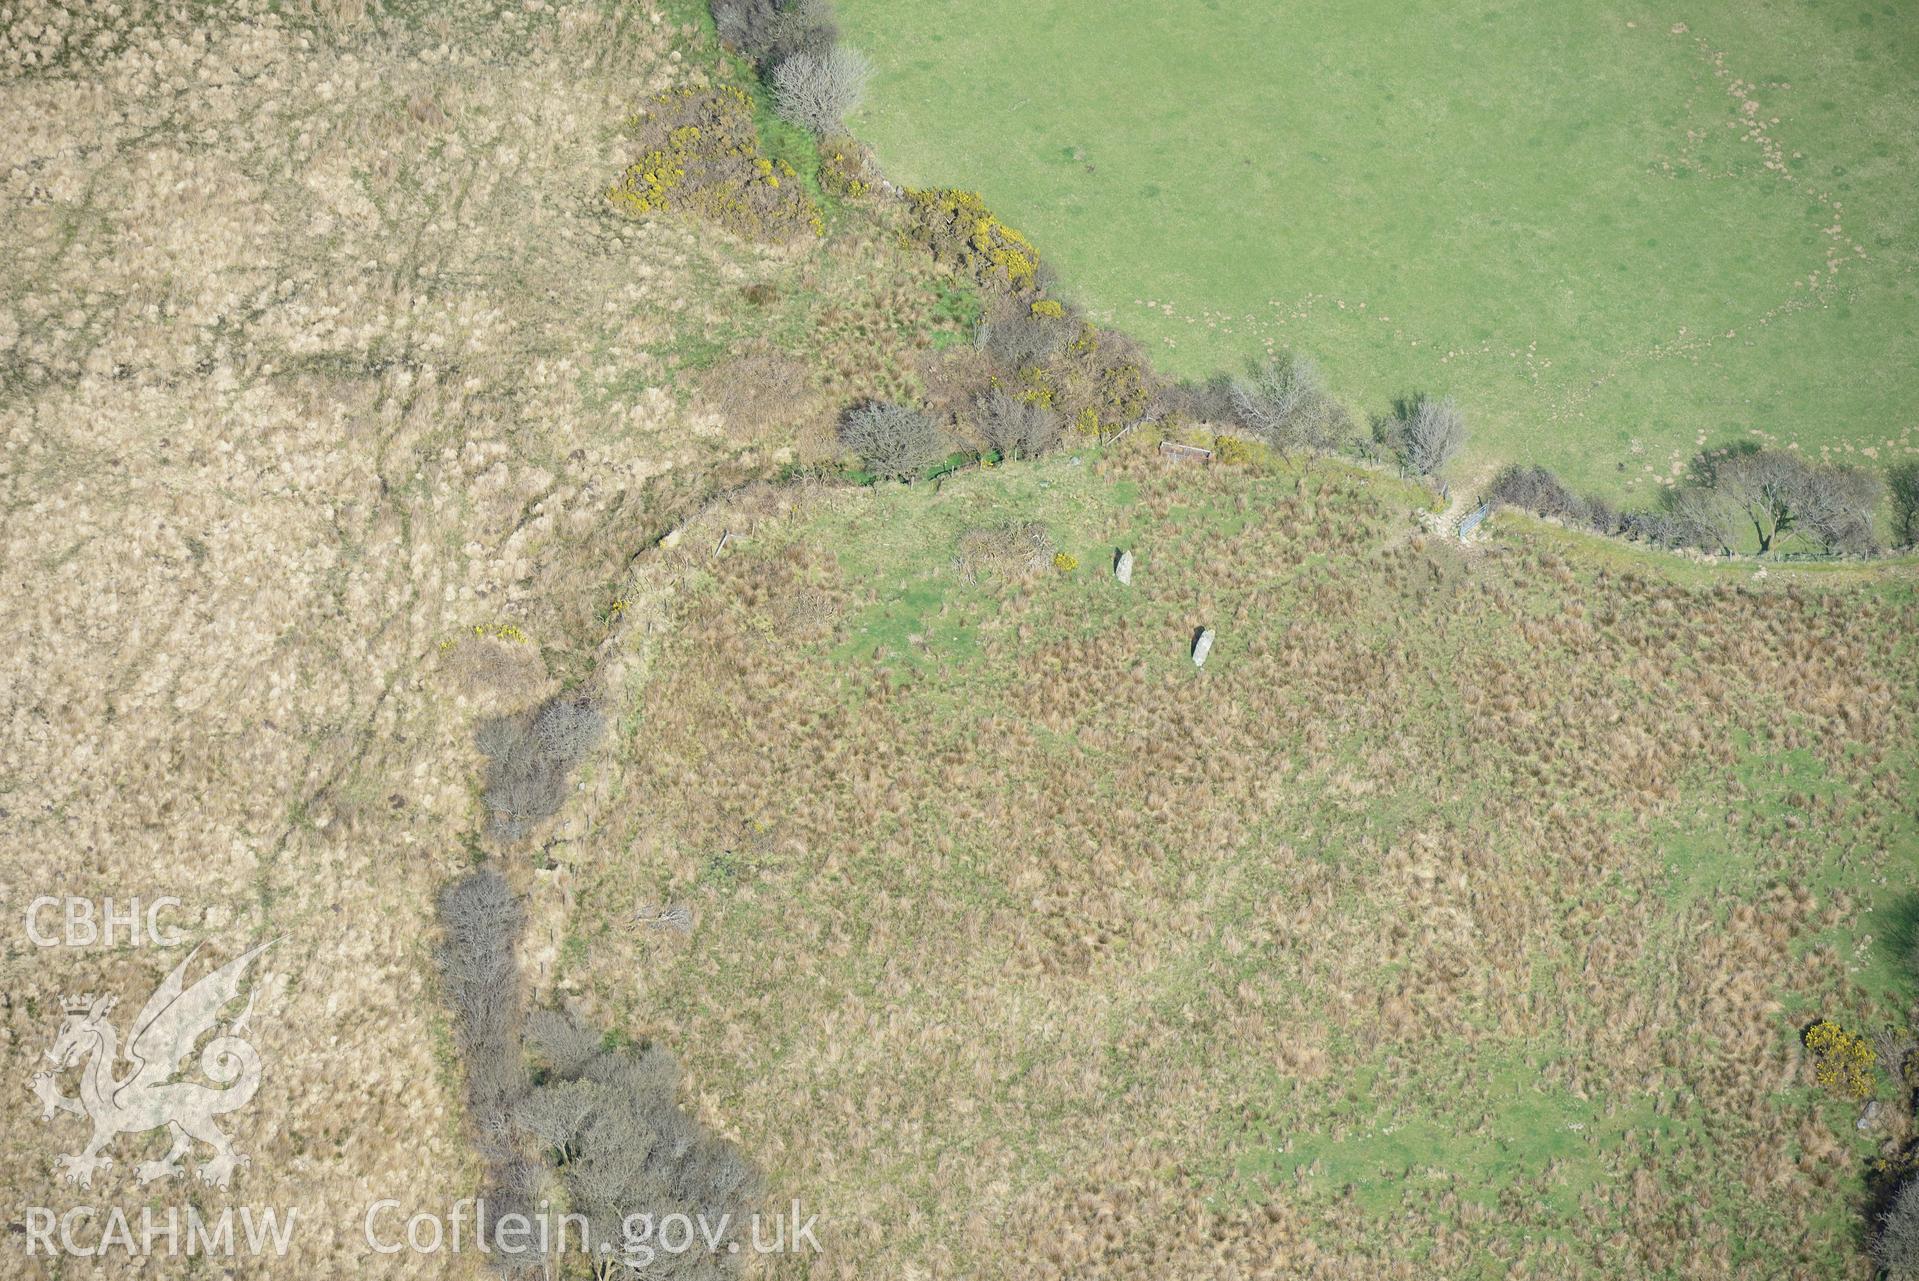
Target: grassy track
1612,231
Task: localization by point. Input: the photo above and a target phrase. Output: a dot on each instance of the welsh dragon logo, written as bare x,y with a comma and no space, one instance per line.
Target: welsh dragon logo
146,1096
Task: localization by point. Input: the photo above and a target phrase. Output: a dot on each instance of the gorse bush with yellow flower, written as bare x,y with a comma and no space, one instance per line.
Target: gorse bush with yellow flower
1237,451
963,232
1842,1062
845,166
699,152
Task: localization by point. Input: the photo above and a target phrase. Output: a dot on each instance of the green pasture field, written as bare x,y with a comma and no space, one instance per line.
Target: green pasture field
1614,232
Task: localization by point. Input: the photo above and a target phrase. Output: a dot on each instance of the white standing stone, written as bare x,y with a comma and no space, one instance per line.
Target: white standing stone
1203,646
1123,569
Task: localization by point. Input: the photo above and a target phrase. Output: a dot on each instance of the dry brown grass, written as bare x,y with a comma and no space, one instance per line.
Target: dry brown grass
761,395
1035,953
1006,553
318,351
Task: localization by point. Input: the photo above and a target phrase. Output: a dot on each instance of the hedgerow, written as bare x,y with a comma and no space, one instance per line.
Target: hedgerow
1537,490
1732,498
1047,358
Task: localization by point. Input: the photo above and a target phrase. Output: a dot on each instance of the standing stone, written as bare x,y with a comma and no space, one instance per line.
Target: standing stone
1203,646
1123,569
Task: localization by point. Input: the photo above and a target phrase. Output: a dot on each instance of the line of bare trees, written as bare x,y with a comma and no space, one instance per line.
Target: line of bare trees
597,1127
1743,498
1734,499
1773,493
588,1124
481,923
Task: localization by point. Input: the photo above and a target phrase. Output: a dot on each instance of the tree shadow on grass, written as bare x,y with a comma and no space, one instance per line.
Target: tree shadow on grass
1899,940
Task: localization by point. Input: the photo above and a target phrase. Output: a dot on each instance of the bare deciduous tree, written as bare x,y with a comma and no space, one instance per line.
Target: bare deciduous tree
1780,493
1285,404
1536,490
1012,427
1429,433
894,442
612,1122
565,1043
1280,391
815,88
799,26
770,31
1013,337
1895,1246
1207,402
556,1114
1763,484
746,25
1702,517
528,758
567,729
1836,509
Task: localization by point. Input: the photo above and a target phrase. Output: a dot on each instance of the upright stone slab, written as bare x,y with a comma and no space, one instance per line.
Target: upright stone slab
1203,646
1123,569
